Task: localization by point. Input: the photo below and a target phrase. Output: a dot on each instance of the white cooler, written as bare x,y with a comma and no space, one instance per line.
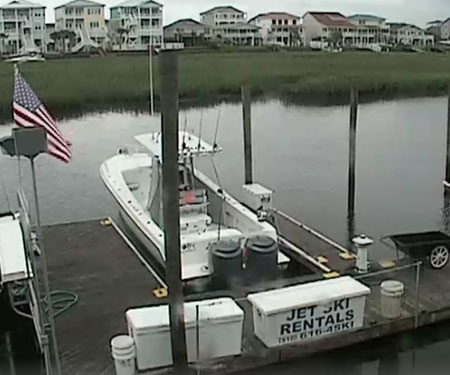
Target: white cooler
308,311
220,332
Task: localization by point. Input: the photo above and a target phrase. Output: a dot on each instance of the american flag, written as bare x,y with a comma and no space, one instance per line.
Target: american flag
28,111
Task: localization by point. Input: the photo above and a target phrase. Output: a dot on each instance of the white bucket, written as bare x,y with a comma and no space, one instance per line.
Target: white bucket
124,354
392,292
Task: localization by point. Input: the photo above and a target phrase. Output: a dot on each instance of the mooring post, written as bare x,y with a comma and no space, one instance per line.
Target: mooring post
247,123
171,210
352,161
447,164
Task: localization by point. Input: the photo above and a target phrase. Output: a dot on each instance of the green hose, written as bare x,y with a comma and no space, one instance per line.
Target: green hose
61,300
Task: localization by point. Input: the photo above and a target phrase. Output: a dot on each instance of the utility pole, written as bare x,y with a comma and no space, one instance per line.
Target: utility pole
171,210
247,124
447,164
352,163
150,77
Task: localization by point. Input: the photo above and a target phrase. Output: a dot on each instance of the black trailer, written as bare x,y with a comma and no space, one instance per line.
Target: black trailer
432,246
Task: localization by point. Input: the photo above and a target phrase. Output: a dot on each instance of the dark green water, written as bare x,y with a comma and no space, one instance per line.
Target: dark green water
300,152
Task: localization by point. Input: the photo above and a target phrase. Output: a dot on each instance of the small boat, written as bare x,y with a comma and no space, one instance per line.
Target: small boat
207,213
23,58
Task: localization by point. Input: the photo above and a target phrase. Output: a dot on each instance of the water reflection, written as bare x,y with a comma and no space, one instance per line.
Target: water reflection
300,152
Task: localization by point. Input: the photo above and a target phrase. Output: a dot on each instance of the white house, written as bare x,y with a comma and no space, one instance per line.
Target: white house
22,27
222,15
409,35
445,29
85,18
279,28
238,34
138,24
370,30
228,25
322,27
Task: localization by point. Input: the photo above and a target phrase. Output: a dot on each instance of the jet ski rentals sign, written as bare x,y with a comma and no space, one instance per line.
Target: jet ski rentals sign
288,319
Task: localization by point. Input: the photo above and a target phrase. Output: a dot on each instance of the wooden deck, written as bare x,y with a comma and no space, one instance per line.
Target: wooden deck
93,261
96,263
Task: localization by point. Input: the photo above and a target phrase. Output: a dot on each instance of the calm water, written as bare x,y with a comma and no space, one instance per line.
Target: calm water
300,152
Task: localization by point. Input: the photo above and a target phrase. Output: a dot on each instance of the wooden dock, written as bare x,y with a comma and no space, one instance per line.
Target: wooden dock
95,262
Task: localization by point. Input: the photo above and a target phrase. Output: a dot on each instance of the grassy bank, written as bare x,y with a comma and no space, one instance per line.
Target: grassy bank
74,85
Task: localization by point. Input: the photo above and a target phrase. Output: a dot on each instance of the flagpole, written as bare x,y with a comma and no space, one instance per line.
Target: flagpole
50,313
150,73
19,164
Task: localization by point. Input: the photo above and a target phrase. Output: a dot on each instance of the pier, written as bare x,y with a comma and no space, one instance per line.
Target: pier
96,260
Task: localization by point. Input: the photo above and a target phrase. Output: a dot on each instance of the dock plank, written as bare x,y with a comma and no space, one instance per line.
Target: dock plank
94,262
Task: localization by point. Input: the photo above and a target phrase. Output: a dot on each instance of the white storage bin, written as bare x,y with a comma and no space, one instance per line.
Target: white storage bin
220,332
308,311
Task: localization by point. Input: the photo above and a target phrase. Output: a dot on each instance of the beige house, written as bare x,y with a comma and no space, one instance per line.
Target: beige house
323,27
85,18
222,15
22,25
137,24
279,28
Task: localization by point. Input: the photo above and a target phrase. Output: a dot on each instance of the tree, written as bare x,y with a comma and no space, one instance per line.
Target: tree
56,36
3,37
336,38
121,32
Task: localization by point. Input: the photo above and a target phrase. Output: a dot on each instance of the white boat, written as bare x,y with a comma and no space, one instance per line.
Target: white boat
207,213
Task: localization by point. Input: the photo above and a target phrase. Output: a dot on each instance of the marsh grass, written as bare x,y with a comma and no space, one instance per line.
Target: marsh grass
86,84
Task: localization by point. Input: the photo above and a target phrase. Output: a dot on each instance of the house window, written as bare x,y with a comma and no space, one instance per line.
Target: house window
325,29
294,22
37,27
94,24
286,22
274,22
69,11
280,22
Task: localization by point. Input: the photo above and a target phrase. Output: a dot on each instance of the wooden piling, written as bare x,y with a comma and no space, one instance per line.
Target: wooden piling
352,161
171,211
447,165
247,125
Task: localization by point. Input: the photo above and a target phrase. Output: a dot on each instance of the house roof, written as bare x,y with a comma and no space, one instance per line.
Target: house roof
271,15
366,17
331,19
81,3
435,22
19,4
135,3
184,20
402,25
224,8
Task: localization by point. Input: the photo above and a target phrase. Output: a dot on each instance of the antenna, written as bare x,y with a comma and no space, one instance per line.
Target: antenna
217,129
183,146
220,192
200,131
